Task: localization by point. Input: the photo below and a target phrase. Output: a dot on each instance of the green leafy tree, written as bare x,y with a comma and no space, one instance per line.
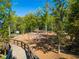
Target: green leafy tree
72,27
59,15
30,21
5,9
46,13
39,19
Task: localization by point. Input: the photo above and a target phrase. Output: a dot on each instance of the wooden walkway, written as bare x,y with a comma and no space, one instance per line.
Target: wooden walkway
18,52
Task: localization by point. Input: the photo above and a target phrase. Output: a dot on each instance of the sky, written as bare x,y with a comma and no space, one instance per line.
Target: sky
23,7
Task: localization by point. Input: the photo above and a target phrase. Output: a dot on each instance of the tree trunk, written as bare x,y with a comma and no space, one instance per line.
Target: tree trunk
59,50
46,30
59,44
9,30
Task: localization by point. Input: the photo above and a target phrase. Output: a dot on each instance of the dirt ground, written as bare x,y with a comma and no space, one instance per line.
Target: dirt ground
29,37
48,55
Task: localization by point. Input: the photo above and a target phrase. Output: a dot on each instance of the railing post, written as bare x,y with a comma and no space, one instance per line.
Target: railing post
21,44
17,43
24,46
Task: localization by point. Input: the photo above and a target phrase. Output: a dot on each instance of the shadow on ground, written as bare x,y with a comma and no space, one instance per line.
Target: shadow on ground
45,43
49,43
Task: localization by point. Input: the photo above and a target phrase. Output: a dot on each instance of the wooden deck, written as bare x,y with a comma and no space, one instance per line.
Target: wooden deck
18,52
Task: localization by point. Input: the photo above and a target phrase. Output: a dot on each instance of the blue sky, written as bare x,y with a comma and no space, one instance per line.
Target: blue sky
23,7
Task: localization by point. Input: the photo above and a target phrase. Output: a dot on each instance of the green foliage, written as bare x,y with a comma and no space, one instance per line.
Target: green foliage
30,20
5,9
72,27
64,18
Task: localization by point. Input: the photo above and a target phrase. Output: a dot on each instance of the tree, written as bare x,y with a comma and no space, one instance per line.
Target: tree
46,15
72,28
58,13
5,9
39,19
30,21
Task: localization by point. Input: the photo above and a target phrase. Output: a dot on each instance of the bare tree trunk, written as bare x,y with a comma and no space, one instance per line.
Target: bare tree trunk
23,31
59,48
59,44
46,30
9,30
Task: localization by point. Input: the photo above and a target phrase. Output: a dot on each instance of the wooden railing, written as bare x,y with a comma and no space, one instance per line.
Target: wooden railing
25,46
